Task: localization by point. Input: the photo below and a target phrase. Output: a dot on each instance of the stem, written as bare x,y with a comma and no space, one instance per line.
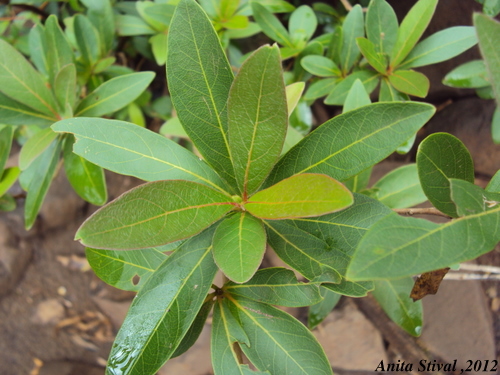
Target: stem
420,211
471,276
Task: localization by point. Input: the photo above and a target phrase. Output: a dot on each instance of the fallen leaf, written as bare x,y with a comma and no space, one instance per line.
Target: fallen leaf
427,283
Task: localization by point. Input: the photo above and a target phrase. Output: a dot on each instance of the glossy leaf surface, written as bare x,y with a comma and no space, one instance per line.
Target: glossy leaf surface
65,86
59,52
472,74
154,214
381,26
276,286
411,29
334,149
488,31
87,39
119,268
270,25
8,178
389,94
306,253
302,25
410,82
128,149
374,58
22,83
238,246
257,118
6,135
394,298
270,348
37,144
226,331
197,62
320,88
114,94
441,46
164,309
357,97
86,178
400,188
41,173
422,246
300,196
352,28
320,66
440,157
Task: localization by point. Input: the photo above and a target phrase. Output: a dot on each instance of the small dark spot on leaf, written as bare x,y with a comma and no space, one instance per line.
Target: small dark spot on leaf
136,279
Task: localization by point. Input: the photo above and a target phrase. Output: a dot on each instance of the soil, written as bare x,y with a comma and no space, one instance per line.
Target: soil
58,318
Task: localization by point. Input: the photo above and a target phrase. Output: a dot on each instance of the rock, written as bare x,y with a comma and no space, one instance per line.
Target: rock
49,311
458,324
351,342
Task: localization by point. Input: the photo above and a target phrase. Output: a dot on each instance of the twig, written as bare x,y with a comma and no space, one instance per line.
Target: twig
348,6
471,276
420,211
479,268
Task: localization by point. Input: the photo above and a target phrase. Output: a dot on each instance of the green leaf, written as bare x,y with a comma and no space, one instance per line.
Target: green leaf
488,31
128,149
342,231
195,330
37,144
394,298
491,7
197,62
270,348
442,156
400,188
352,28
159,22
410,82
65,87
6,136
38,49
441,46
422,246
495,125
270,25
86,178
307,254
374,58
159,47
293,137
154,214
7,203
293,94
494,184
23,84
411,29
302,195
120,268
238,246
339,93
226,333
360,181
389,94
302,25
58,50
15,113
472,74
276,286
257,124
471,199
114,94
127,25
8,178
164,309
381,26
87,39
357,97
41,172
100,13
335,45
320,66
380,129
319,311
321,88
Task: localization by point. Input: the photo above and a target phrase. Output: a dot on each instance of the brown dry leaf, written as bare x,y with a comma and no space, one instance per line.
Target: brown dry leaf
427,283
